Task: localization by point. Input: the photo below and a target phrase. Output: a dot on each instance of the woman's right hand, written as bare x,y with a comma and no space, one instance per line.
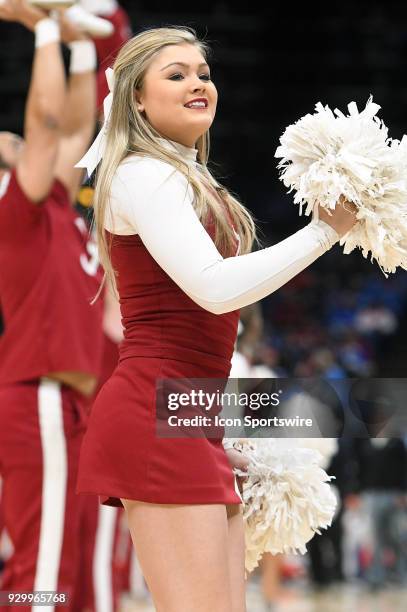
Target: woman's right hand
237,459
342,219
22,12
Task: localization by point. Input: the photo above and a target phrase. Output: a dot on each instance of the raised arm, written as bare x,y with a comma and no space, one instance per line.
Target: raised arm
153,200
42,122
80,109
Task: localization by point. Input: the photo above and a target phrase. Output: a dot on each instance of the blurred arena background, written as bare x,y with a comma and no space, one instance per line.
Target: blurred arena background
340,318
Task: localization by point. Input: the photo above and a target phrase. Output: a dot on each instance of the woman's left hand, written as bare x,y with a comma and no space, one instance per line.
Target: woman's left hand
238,460
69,31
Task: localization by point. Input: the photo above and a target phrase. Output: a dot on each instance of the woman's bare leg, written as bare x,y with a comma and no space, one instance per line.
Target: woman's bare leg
183,554
236,552
271,576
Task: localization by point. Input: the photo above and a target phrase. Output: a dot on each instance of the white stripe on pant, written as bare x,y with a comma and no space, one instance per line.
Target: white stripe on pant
54,485
103,559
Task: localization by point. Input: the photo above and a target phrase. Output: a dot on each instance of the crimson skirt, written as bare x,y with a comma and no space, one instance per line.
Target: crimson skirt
122,456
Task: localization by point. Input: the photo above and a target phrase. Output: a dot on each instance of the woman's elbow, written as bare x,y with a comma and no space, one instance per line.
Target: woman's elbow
216,308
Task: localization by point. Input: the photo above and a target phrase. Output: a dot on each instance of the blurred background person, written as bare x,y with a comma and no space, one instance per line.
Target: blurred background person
51,346
379,485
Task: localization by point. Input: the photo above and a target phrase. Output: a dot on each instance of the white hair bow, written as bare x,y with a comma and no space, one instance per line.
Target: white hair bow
93,156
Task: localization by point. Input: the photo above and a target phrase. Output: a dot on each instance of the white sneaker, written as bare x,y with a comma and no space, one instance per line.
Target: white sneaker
96,27
52,4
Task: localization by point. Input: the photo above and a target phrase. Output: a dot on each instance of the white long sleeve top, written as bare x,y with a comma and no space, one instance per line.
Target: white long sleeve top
151,198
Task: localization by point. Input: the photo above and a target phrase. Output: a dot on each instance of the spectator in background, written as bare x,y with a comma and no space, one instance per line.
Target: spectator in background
379,481
377,323
325,364
355,355
341,311
325,550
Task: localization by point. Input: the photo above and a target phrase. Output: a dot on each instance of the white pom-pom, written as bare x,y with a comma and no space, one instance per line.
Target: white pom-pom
287,497
328,155
327,447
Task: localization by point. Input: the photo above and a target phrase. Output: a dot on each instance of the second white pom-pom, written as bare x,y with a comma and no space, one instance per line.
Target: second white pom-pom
287,497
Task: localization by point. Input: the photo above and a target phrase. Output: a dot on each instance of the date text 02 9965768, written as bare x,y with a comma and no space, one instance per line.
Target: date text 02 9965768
39,598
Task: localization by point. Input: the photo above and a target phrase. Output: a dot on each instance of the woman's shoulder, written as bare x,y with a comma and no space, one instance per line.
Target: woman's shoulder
145,167
142,176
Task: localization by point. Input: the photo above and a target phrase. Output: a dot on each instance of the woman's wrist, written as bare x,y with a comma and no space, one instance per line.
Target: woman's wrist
327,235
46,32
83,56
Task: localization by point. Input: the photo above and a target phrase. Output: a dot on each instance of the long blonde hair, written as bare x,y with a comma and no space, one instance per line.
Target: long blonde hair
129,131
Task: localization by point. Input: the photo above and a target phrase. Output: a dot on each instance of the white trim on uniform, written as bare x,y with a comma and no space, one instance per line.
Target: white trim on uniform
6,545
54,484
103,558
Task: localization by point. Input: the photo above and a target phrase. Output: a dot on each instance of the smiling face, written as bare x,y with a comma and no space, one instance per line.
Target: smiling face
167,88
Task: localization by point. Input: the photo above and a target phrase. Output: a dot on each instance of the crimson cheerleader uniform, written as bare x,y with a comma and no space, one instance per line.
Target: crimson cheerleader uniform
180,302
49,273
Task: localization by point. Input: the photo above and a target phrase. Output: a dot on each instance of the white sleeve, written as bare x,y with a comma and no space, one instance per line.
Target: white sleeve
150,198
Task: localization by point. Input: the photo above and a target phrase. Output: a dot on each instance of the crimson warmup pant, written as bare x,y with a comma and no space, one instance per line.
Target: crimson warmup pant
41,427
